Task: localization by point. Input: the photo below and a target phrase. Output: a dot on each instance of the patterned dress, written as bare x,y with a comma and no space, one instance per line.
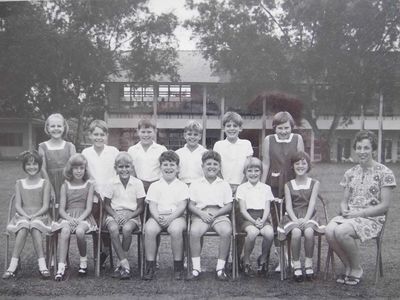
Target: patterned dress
32,201
365,191
75,206
300,195
56,159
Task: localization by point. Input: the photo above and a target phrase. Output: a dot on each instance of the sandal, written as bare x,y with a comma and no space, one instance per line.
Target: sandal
82,271
45,274
352,280
8,274
341,279
221,275
59,276
298,275
309,273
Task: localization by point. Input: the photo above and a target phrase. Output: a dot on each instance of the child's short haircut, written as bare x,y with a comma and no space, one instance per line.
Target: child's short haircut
146,123
300,155
169,155
29,156
59,116
252,162
75,161
193,126
211,154
282,117
124,158
232,116
98,124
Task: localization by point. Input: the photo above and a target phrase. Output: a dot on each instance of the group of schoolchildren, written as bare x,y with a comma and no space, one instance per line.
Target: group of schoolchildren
192,180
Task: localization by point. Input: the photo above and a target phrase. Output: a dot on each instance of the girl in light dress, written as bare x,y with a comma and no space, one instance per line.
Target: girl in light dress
32,198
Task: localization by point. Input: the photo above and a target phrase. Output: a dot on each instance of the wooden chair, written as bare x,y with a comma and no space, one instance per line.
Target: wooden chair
235,265
282,259
330,261
11,212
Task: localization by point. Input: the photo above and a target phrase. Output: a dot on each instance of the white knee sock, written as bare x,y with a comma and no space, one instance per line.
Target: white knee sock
308,262
125,264
196,263
296,264
83,262
61,267
42,264
220,264
13,264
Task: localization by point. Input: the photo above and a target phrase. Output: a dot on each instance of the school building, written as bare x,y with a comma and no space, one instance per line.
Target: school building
195,97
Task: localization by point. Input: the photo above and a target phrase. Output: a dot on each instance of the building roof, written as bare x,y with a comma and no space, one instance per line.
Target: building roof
192,68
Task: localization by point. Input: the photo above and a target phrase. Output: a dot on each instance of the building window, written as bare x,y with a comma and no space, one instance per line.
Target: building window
11,139
175,92
138,93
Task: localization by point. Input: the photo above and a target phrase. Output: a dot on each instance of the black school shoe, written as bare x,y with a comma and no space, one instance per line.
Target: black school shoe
149,275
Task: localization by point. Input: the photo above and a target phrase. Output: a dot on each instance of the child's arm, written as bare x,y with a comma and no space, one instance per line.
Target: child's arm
108,208
243,211
153,208
266,211
18,203
139,208
177,213
46,200
63,203
300,144
89,204
207,218
288,204
223,210
266,160
43,171
313,201
72,150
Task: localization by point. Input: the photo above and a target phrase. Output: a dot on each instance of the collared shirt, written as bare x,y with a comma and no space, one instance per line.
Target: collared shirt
124,198
255,196
190,163
233,156
146,163
204,193
101,167
167,195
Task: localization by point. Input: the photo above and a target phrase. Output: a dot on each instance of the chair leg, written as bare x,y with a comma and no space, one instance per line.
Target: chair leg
319,254
143,257
6,254
55,247
282,260
289,252
235,271
188,255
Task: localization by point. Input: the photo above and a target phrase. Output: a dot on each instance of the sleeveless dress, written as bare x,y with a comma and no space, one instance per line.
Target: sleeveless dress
56,159
365,191
280,170
300,195
32,201
75,206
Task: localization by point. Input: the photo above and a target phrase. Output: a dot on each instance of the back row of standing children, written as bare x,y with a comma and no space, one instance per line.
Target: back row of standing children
148,172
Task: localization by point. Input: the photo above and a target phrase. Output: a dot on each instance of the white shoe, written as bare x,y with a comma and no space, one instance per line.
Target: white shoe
278,268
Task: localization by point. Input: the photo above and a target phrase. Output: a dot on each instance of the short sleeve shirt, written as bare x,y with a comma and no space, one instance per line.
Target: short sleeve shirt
190,163
167,195
124,198
255,196
233,156
101,167
217,193
146,163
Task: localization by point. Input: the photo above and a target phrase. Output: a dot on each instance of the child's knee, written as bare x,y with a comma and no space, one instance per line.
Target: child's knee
252,232
268,232
65,232
113,228
80,233
296,233
309,233
151,229
127,229
225,231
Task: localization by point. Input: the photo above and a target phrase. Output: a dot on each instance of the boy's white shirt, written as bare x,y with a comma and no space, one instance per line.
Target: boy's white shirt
204,193
255,196
233,158
190,163
101,167
167,195
124,198
147,166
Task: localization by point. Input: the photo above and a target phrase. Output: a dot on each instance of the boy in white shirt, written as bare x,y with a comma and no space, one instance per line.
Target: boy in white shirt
233,150
145,154
124,203
190,154
210,204
101,161
167,200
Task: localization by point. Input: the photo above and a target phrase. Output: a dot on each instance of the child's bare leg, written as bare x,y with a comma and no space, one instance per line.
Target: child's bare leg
20,240
151,231
268,237
335,245
127,230
296,243
249,241
63,244
113,229
175,230
37,242
80,233
309,242
224,230
197,230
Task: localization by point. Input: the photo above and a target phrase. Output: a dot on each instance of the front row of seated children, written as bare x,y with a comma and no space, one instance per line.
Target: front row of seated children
209,200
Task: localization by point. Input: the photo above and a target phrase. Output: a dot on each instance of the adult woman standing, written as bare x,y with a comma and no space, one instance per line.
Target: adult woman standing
367,194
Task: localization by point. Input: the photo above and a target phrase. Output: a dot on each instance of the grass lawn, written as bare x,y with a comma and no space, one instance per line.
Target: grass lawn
29,284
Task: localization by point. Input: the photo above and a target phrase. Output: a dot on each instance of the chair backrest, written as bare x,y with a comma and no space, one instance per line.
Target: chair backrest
11,208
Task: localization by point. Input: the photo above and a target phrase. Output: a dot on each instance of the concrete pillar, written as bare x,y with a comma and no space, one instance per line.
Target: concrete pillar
155,102
221,137
204,114
312,139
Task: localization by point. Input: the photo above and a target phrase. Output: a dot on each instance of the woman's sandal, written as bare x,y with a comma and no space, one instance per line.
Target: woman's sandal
341,279
298,277
9,274
352,280
45,274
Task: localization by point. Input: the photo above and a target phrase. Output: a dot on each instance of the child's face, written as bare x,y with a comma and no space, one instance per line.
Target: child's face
169,170
146,135
55,127
32,167
78,172
211,167
283,130
192,137
253,174
300,167
124,169
232,130
98,137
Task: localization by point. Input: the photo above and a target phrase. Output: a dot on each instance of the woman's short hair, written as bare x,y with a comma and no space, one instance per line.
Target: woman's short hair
366,135
300,155
169,155
253,162
211,154
74,161
31,156
282,117
58,116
